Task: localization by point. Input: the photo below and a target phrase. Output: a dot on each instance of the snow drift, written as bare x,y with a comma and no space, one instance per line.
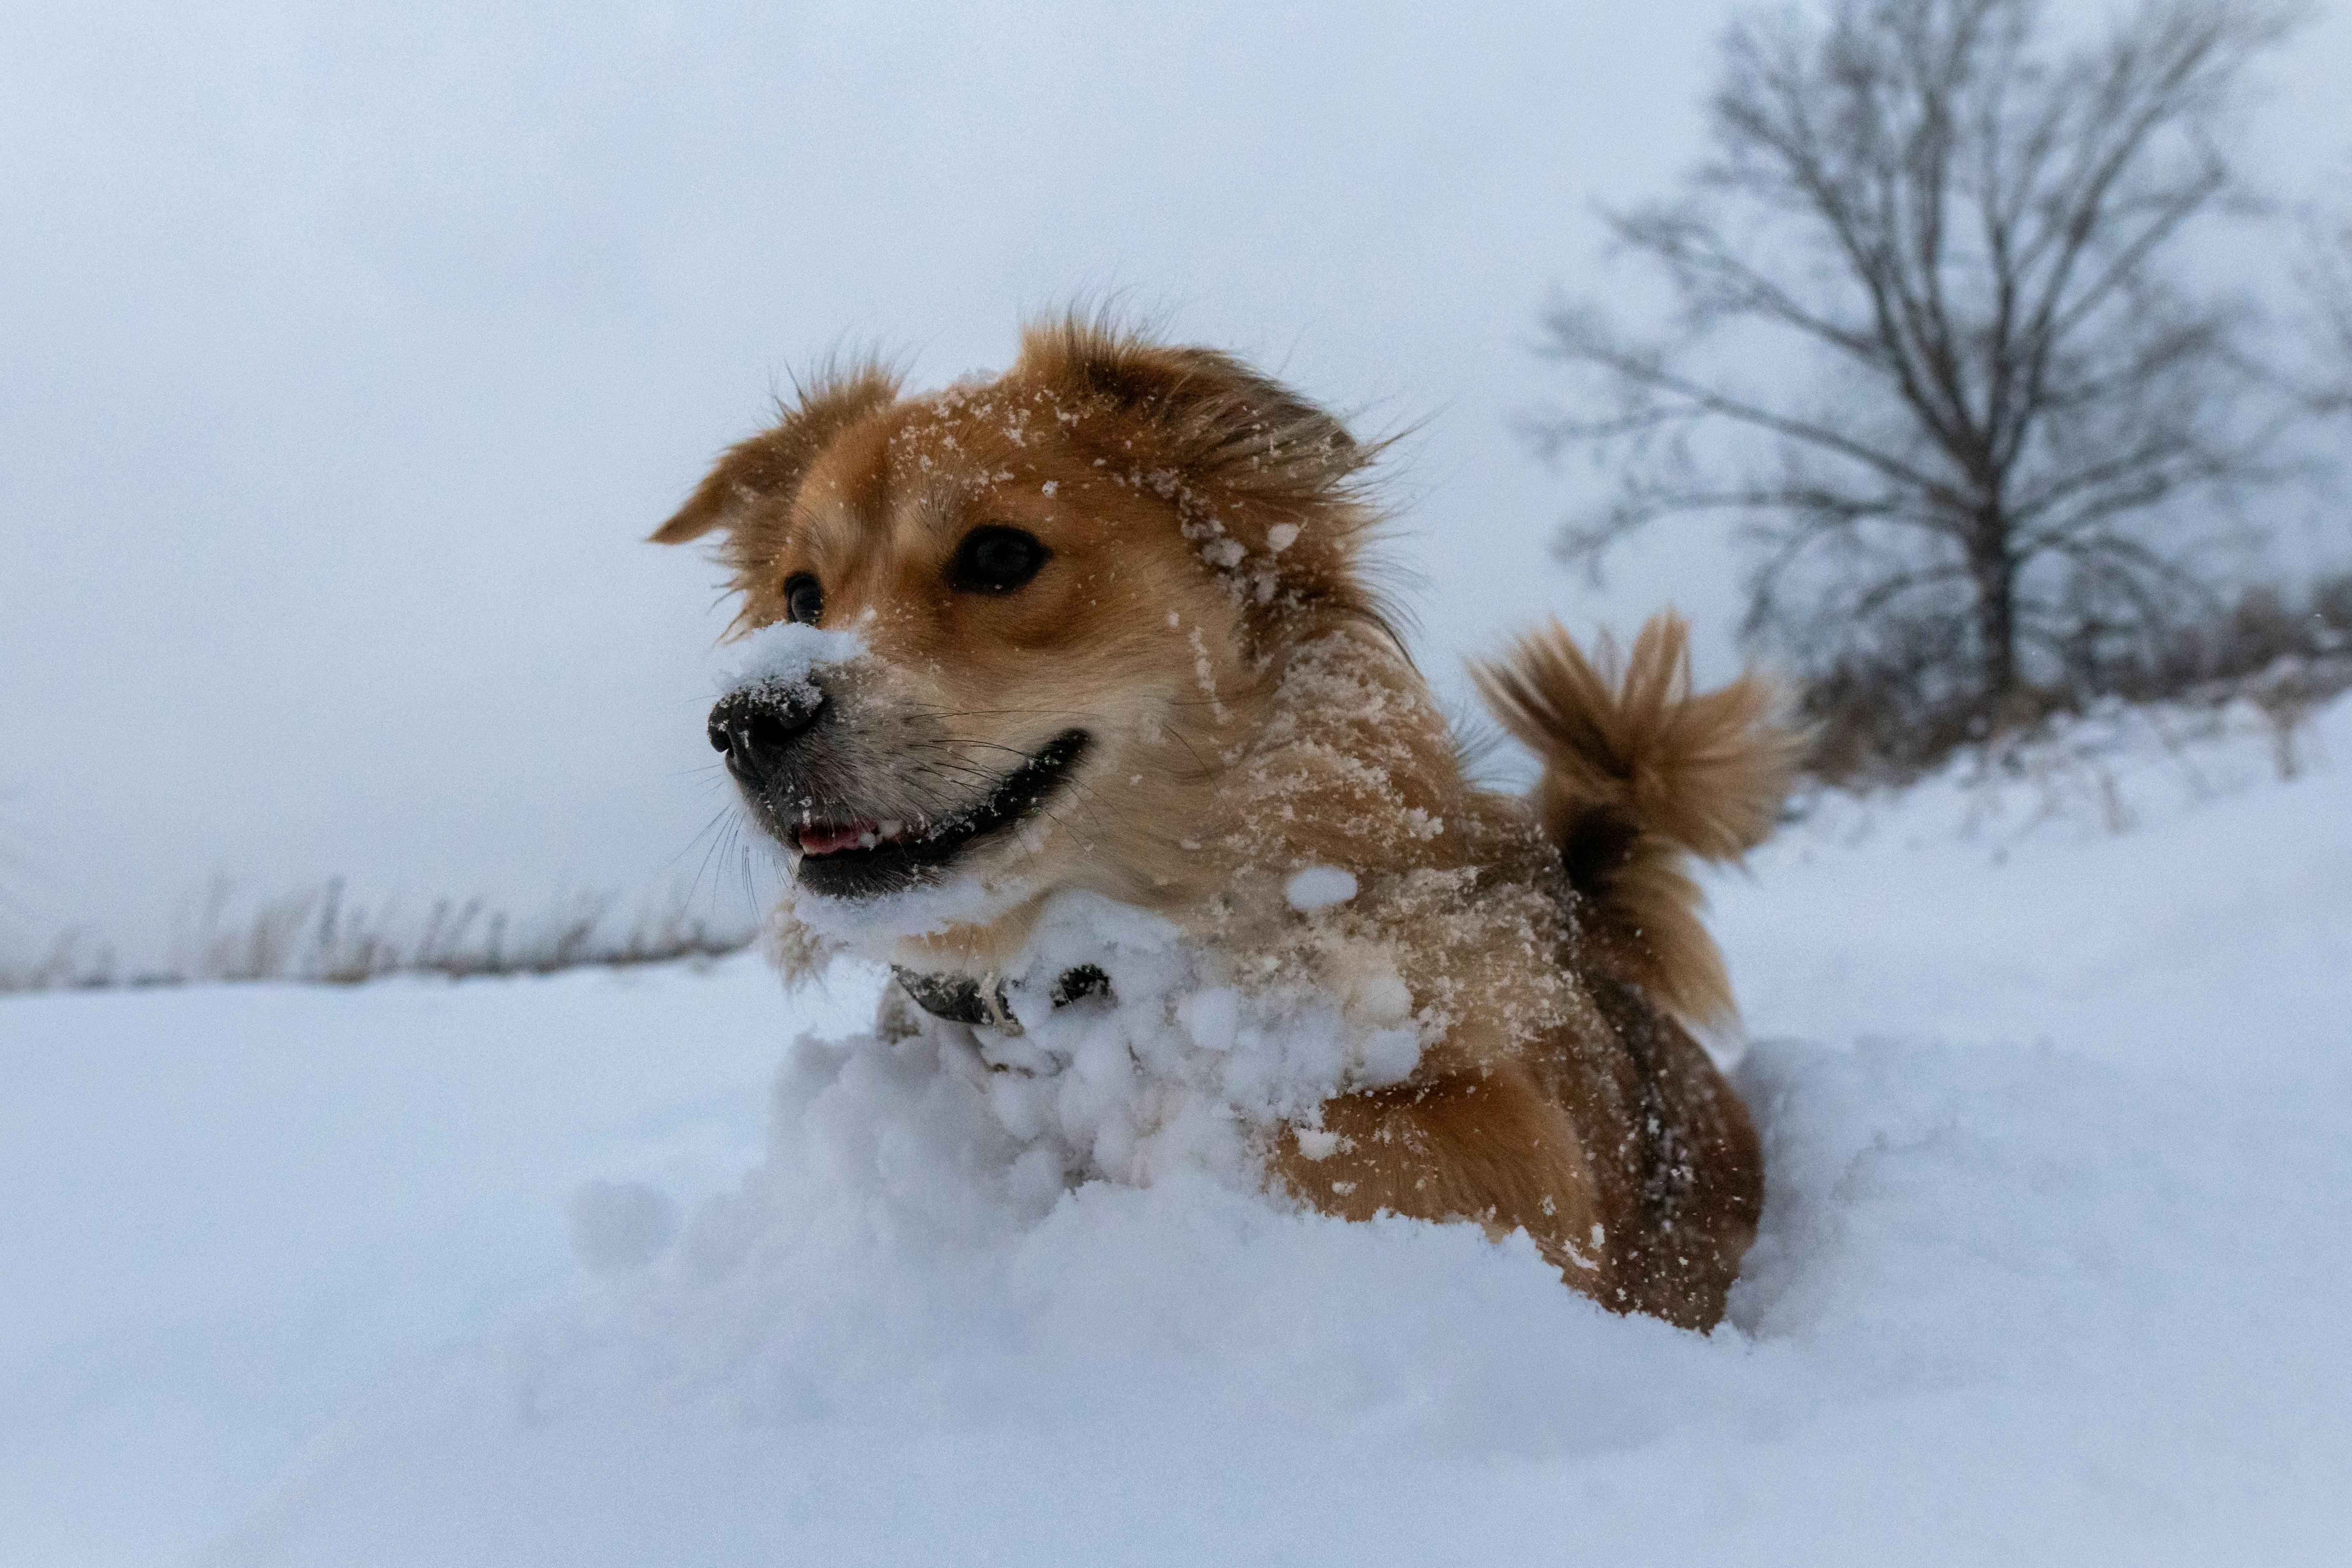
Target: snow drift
2057,1110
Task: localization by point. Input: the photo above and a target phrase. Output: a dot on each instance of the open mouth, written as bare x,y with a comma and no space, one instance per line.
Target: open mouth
859,859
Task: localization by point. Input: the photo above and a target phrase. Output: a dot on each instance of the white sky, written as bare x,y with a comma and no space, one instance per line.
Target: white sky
351,350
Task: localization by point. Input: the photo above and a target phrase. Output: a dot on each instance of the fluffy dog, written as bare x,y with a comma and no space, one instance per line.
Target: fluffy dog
1116,636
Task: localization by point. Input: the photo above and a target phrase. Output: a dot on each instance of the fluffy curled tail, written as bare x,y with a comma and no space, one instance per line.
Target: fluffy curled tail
1639,772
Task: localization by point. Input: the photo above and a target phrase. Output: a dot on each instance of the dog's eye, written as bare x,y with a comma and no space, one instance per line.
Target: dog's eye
996,560
803,599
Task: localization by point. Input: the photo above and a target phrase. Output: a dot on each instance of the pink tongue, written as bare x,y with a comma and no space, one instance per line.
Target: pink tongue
825,840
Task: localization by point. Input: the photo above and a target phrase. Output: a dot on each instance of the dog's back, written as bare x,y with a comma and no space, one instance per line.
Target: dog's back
1640,774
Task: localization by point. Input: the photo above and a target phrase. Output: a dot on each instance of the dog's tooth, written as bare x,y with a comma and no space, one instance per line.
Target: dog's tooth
891,830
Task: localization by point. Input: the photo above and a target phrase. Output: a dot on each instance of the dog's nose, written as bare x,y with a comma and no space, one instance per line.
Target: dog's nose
755,729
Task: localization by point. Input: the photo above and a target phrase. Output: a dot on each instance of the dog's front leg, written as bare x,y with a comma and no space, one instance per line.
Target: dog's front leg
1482,1145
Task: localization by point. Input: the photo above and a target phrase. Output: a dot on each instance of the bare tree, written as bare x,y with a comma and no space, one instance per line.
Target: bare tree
1963,230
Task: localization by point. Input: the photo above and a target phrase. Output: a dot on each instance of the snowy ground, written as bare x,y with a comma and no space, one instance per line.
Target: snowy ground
2053,1067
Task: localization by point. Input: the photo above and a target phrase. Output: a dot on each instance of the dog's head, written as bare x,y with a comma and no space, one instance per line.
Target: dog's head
1001,638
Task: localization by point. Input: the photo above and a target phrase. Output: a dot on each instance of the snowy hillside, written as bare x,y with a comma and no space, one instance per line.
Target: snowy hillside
2051,1063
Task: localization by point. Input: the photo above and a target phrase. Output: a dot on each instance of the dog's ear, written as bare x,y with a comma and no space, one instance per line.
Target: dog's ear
774,460
1216,420
1266,483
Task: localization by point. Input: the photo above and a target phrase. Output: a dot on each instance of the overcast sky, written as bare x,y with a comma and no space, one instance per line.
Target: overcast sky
351,350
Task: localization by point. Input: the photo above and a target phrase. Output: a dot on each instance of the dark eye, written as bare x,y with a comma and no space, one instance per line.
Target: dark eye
996,560
803,599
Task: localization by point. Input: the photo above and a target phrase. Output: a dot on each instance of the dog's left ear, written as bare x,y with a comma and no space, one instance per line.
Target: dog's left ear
1268,483
1217,421
774,461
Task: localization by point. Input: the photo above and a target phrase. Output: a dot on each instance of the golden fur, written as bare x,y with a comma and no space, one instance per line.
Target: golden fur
1204,617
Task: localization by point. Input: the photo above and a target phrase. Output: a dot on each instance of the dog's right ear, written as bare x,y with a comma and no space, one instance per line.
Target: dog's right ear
775,459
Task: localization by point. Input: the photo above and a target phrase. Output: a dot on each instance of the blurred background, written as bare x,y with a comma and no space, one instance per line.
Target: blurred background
350,352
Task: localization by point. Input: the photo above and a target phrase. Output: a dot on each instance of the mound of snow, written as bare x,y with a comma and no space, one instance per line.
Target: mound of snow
2011,1302
2008,1306
2057,1109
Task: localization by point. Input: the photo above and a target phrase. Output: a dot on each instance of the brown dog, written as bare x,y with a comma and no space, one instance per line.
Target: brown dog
1120,641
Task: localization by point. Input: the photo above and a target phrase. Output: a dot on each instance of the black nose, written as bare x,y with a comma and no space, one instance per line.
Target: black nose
756,728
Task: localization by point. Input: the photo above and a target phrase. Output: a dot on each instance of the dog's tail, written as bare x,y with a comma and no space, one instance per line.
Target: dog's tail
1639,772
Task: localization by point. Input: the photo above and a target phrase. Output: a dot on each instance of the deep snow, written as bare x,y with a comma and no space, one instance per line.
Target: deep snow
2051,1063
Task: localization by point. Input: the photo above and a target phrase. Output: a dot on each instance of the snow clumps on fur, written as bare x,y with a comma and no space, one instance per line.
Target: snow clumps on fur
1169,1060
784,658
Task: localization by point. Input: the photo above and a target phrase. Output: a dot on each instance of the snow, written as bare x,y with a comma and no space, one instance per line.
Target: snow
1318,887
231,1211
2049,1059
618,1228
784,656
1190,1072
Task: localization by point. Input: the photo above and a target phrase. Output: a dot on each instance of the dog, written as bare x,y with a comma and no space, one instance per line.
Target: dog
1118,634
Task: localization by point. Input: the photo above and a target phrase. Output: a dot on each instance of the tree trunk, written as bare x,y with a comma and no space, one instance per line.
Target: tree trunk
1995,575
